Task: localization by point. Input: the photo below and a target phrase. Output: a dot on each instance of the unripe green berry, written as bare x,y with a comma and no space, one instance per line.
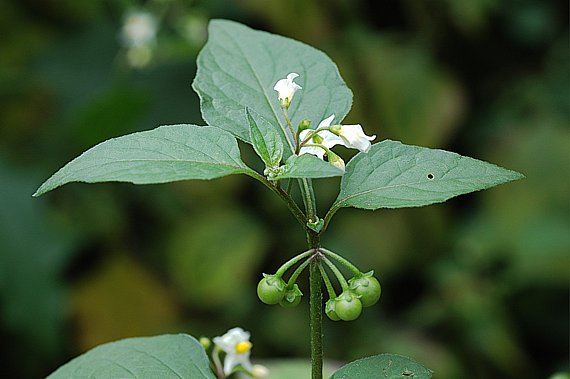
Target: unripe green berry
330,310
367,287
347,306
271,289
292,297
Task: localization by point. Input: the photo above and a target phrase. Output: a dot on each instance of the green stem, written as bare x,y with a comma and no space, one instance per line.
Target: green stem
298,271
285,266
217,362
308,198
315,305
311,134
290,126
315,287
342,261
293,207
328,284
316,318
334,208
337,273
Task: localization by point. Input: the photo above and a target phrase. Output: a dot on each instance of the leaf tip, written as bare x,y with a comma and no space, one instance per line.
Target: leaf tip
519,175
40,191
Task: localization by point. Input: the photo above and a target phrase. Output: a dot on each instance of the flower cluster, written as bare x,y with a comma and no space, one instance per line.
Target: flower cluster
236,346
319,141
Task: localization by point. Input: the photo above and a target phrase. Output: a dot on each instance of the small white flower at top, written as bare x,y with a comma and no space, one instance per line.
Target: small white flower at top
319,141
139,29
235,343
286,88
138,35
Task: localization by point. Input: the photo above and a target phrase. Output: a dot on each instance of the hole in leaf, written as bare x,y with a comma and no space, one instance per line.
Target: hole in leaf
430,176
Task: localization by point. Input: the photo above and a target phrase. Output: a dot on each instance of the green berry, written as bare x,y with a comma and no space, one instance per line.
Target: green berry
271,289
292,297
347,306
330,310
367,287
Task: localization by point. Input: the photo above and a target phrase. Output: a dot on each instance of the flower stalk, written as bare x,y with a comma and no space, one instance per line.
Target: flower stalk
355,271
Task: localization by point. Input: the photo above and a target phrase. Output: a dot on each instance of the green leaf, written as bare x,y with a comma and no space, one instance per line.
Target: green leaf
394,175
316,225
168,356
164,154
307,166
388,366
265,139
239,66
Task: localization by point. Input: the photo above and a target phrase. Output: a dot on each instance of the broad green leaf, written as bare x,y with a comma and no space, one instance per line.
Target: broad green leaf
168,356
394,175
238,68
265,139
388,366
307,166
164,154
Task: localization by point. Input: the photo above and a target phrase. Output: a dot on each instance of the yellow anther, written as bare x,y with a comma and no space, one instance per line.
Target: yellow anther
243,347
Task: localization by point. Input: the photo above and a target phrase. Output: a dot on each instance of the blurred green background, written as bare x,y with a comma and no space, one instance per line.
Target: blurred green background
474,288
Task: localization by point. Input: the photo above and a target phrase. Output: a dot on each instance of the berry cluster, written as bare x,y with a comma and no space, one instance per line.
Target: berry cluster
361,290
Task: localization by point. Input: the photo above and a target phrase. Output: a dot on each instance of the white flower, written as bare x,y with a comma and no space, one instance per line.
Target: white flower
139,29
286,88
353,137
324,138
235,343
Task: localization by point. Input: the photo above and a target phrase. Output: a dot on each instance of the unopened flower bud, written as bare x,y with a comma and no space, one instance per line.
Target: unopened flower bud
205,342
305,124
335,160
259,371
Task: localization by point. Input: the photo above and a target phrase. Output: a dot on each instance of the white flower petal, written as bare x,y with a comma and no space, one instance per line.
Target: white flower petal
330,139
286,88
313,150
292,76
326,122
354,137
231,361
228,343
304,134
139,29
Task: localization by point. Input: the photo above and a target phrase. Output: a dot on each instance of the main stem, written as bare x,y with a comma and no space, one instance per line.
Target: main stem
315,308
315,289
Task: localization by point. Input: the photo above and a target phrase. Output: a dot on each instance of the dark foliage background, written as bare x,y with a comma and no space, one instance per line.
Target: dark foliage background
474,288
